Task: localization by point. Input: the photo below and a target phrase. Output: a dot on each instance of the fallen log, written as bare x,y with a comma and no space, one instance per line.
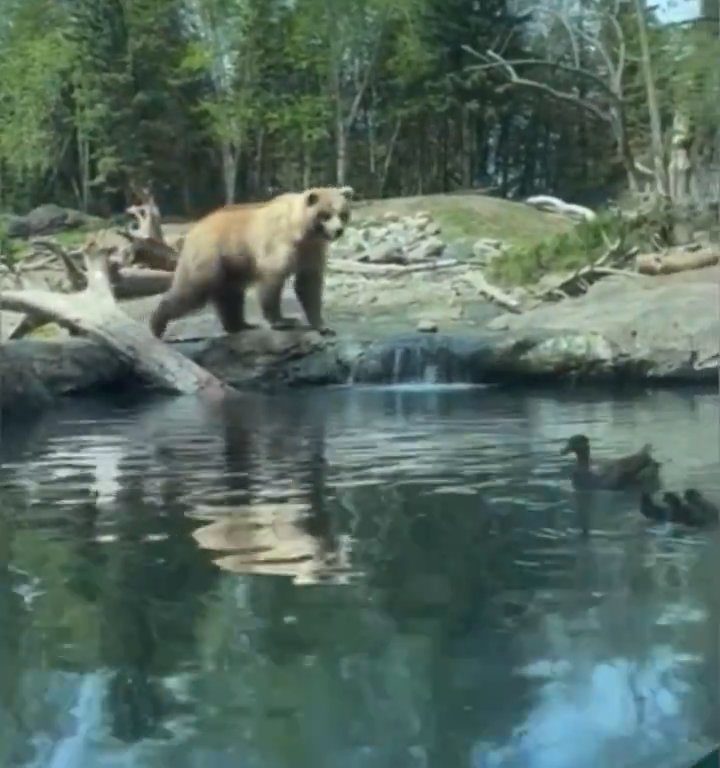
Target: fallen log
671,263
134,283
152,253
94,312
492,292
556,205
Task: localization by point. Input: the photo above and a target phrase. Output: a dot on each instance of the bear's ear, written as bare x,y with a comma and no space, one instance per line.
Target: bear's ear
347,192
312,198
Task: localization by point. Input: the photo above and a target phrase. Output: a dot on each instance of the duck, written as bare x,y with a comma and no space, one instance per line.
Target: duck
636,470
702,510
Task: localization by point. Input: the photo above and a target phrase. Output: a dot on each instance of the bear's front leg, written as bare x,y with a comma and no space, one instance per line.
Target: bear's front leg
308,289
270,294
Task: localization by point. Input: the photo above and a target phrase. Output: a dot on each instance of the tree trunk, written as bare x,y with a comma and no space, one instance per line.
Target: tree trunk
306,164
230,160
340,152
83,149
387,162
259,155
679,169
468,150
652,101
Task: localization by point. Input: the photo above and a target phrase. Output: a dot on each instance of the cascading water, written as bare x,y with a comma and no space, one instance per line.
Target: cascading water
414,361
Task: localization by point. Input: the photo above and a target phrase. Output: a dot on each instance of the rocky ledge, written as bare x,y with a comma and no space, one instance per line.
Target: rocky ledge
646,330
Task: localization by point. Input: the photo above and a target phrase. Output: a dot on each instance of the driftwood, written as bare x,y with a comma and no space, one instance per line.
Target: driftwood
152,253
74,271
147,244
502,299
679,261
147,224
126,282
388,270
94,312
556,205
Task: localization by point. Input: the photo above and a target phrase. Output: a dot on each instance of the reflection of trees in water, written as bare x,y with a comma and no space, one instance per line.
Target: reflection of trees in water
152,595
122,578
12,611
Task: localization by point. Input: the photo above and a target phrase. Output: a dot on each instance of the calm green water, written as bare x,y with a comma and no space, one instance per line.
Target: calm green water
355,578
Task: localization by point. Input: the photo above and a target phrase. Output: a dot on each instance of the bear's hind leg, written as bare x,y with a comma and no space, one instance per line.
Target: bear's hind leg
229,304
270,294
173,305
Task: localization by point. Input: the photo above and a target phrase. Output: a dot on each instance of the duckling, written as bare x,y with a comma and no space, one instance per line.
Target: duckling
650,509
679,512
635,470
702,511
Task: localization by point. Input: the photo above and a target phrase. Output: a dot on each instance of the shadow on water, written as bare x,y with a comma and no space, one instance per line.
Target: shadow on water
361,577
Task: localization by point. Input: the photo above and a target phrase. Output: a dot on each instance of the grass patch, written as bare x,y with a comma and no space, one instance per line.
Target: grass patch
581,245
73,238
475,216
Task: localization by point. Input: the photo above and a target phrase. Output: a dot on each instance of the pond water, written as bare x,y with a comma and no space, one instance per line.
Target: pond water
353,577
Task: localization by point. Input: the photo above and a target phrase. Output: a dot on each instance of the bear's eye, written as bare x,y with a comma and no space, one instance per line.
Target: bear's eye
323,216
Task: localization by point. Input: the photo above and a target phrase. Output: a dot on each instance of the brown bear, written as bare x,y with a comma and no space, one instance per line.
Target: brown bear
263,245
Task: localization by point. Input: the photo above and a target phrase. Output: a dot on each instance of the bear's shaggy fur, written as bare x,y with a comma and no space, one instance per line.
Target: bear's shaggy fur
263,245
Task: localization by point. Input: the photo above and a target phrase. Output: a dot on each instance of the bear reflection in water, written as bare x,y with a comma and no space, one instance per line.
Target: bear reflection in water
284,528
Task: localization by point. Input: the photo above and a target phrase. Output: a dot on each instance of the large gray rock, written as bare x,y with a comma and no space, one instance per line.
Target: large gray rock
33,372
46,220
663,327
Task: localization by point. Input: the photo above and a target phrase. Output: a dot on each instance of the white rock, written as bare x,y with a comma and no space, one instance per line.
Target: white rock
429,248
427,326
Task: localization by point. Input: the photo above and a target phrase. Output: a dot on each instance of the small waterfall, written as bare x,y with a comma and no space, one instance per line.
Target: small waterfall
431,374
416,362
396,366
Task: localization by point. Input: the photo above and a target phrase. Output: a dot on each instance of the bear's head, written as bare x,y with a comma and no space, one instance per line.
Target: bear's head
328,211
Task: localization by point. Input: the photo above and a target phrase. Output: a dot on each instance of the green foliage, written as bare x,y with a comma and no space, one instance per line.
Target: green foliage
203,98
582,245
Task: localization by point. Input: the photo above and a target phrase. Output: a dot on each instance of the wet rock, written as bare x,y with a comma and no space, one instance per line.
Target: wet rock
427,326
33,371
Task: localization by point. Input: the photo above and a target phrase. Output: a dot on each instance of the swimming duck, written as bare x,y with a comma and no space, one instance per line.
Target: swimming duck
637,470
702,511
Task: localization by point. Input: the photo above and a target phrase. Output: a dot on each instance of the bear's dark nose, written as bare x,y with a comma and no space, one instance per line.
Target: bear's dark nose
339,232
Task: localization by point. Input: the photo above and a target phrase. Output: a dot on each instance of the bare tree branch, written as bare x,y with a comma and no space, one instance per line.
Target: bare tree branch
497,62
